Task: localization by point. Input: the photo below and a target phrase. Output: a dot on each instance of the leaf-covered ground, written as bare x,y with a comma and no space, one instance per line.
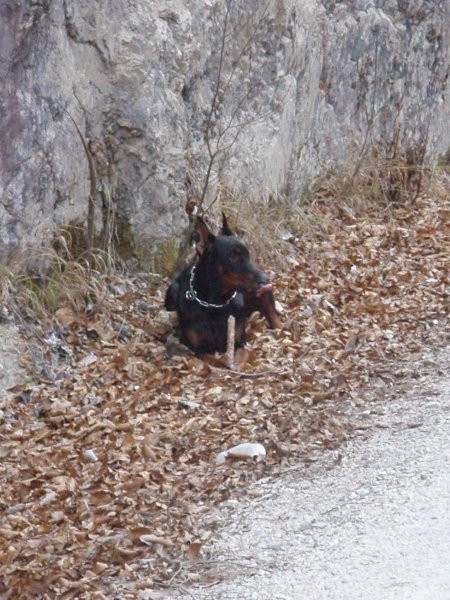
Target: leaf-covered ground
106,475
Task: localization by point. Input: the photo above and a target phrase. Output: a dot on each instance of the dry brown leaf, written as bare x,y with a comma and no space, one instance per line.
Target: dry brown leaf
67,316
155,539
193,552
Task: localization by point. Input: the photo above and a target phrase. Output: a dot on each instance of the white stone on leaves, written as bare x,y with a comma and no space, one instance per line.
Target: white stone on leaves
90,455
48,498
244,451
279,308
185,403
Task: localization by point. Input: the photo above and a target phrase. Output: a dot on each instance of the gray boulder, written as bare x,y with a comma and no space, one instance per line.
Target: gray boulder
306,85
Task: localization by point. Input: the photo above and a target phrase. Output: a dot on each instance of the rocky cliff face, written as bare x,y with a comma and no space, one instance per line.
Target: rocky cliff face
304,84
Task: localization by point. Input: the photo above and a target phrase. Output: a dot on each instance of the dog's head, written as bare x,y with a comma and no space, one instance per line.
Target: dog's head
231,259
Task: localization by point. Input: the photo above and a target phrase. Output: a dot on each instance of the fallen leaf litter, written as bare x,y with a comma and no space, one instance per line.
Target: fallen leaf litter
105,476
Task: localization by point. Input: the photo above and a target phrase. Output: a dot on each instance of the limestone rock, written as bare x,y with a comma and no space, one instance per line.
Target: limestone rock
138,78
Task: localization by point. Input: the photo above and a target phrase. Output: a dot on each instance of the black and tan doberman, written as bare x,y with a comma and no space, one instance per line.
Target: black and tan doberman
221,282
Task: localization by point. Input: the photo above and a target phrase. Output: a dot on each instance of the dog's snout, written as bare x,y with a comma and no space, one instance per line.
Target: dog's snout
262,278
255,280
257,277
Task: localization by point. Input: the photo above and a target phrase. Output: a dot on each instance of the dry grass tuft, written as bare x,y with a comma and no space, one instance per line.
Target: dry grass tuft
380,182
61,281
164,256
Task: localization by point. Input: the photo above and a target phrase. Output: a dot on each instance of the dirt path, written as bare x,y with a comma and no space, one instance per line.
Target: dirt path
373,522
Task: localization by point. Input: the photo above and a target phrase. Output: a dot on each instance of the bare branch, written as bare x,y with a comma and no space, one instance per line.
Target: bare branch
217,145
217,87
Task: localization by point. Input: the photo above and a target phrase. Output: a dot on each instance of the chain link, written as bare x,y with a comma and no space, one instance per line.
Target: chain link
191,294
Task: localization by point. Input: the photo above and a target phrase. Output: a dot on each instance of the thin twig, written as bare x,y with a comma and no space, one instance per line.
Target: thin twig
225,371
177,572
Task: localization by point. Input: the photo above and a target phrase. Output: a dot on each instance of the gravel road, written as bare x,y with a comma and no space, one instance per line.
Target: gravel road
371,522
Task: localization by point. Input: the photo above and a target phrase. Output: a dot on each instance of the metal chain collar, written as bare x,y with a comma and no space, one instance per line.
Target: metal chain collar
191,294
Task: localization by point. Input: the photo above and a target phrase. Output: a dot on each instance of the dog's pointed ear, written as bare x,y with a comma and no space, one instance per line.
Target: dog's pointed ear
202,236
225,227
